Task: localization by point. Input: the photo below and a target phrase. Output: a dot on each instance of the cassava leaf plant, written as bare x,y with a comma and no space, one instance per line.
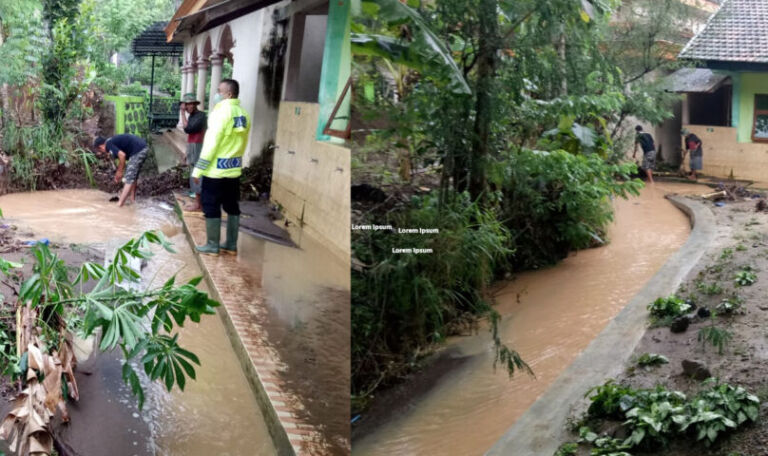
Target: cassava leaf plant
104,302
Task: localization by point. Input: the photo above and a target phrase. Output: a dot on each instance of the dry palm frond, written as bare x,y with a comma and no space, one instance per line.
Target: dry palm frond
27,425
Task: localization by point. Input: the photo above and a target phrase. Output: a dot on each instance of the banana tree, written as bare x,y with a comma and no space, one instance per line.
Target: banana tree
420,49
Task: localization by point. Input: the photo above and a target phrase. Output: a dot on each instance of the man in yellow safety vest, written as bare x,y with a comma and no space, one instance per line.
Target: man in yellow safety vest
220,165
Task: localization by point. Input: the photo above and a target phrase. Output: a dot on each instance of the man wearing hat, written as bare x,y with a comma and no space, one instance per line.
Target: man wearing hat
194,122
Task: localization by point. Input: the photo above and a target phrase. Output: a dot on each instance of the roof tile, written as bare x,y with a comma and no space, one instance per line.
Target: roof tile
737,32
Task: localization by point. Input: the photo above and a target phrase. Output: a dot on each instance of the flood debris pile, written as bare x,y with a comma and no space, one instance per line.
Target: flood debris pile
164,183
49,378
731,192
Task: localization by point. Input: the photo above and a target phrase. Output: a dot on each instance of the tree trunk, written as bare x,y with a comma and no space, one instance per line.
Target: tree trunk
488,44
4,90
563,64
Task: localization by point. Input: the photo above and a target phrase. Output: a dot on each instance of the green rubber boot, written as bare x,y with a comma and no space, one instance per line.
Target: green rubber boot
233,227
213,233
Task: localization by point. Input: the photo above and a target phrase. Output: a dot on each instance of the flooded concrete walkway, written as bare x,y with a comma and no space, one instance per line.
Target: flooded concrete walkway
549,316
287,312
216,414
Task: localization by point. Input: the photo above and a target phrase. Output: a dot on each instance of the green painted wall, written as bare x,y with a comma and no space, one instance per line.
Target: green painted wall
751,84
130,114
735,98
337,67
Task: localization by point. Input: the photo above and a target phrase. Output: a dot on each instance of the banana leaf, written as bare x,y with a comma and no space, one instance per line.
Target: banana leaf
426,52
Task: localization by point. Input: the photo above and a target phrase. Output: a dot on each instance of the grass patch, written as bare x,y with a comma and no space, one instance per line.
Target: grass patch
716,337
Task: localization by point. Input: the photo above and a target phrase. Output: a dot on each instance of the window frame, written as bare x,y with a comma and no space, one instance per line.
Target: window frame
758,112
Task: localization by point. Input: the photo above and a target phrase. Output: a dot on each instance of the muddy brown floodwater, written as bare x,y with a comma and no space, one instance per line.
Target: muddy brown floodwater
217,414
549,317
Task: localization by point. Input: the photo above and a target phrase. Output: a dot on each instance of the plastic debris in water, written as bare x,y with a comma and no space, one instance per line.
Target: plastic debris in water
43,241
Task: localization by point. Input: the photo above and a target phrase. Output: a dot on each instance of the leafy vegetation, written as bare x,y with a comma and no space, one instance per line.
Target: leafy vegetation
709,289
420,294
671,306
745,278
715,336
654,417
53,306
652,359
567,449
56,65
729,305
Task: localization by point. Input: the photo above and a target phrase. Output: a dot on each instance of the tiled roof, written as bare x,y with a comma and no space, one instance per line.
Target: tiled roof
738,32
690,80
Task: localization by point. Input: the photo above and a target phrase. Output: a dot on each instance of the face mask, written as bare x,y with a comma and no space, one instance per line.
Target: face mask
216,98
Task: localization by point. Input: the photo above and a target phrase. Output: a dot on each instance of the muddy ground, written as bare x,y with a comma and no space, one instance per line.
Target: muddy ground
255,181
741,241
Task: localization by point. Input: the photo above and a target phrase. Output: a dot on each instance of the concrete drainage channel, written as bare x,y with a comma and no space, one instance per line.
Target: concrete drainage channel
283,442
542,428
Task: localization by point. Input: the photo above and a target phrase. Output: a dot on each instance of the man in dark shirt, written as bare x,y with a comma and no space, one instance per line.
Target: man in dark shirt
126,148
645,140
692,144
194,122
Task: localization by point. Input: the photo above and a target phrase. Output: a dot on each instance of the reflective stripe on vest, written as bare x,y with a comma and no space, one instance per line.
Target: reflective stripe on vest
229,163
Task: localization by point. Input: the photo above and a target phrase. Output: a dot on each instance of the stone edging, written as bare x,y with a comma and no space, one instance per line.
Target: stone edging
542,428
268,395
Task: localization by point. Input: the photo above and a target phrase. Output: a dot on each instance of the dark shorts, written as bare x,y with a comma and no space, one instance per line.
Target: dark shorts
649,160
133,166
220,193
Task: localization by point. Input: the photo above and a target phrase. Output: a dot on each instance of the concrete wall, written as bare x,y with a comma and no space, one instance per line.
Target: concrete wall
250,33
311,59
311,178
724,154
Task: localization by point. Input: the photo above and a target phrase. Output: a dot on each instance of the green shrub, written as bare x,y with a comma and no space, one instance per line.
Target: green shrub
709,289
30,146
671,306
654,417
653,420
652,359
135,89
720,409
402,302
567,449
556,202
745,278
610,400
729,305
717,337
